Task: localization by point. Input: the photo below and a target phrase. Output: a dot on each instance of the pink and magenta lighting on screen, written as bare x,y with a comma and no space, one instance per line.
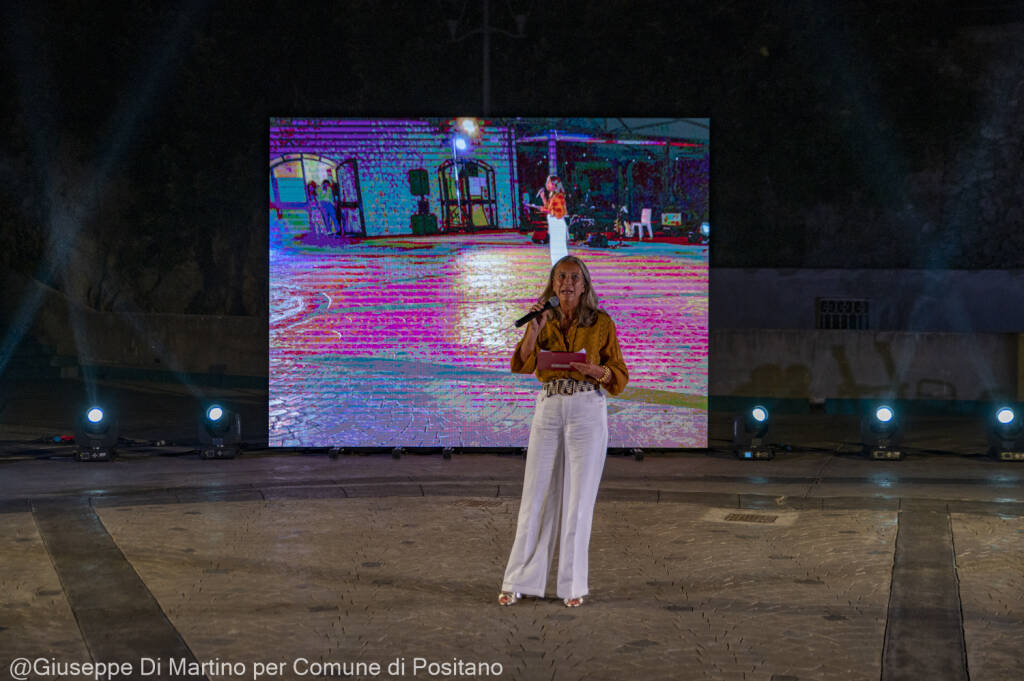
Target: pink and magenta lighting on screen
388,329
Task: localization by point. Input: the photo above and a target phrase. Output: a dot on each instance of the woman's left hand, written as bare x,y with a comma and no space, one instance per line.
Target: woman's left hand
594,371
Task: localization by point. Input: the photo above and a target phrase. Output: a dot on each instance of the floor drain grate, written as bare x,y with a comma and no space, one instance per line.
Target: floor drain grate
750,518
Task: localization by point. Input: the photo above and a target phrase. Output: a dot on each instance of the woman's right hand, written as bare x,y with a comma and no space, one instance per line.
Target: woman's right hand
538,322
533,328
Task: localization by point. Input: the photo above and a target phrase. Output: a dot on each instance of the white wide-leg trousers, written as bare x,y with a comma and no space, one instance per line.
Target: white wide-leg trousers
564,461
558,238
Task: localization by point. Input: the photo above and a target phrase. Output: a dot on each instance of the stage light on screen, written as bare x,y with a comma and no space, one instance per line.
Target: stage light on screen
215,413
1005,416
760,414
402,337
95,415
705,228
884,414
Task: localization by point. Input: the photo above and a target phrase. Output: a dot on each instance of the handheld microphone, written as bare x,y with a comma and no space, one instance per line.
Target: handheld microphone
552,303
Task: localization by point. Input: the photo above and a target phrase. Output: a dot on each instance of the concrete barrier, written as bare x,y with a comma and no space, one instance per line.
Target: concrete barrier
135,345
957,301
815,365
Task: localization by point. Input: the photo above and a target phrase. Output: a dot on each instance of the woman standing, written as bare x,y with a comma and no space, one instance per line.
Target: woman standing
568,438
554,206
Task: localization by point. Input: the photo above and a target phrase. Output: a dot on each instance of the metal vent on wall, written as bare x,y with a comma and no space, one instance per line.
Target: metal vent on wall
750,518
841,313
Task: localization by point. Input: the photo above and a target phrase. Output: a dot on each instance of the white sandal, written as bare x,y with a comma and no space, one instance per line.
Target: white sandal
573,602
509,597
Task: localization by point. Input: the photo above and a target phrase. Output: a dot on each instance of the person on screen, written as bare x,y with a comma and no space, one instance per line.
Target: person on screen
339,213
568,438
316,221
554,206
621,222
327,207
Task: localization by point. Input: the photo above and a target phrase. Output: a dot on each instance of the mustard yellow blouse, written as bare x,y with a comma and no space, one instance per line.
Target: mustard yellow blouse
598,341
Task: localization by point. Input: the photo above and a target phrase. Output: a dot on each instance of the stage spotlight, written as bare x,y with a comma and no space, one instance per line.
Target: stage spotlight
880,432
1006,435
96,434
220,431
748,431
460,143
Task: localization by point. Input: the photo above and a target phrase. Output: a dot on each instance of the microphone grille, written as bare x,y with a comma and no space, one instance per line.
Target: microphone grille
553,301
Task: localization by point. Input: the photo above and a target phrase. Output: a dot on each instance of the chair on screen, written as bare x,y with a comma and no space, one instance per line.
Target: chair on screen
645,221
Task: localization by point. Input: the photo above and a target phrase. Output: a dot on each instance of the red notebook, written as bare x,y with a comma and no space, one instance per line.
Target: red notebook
559,360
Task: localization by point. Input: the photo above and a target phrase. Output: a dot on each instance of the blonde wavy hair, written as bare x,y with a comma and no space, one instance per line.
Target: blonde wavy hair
588,301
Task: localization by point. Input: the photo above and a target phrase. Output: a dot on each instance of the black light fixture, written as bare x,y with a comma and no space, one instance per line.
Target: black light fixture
96,434
881,431
748,432
220,432
1006,434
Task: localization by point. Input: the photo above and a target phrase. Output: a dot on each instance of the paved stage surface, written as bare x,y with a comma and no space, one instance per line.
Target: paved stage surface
817,565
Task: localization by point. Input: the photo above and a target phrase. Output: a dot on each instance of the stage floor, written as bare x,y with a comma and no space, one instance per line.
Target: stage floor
407,341
702,566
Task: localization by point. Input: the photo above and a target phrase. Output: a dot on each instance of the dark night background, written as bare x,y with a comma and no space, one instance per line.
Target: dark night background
864,135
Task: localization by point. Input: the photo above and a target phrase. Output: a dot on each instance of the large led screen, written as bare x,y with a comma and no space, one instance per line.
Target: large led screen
403,251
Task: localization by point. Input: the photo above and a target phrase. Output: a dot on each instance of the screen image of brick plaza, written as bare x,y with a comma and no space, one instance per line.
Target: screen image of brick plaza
402,252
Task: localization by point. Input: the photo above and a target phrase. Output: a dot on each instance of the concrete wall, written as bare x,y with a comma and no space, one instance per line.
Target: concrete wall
818,365
958,301
190,344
